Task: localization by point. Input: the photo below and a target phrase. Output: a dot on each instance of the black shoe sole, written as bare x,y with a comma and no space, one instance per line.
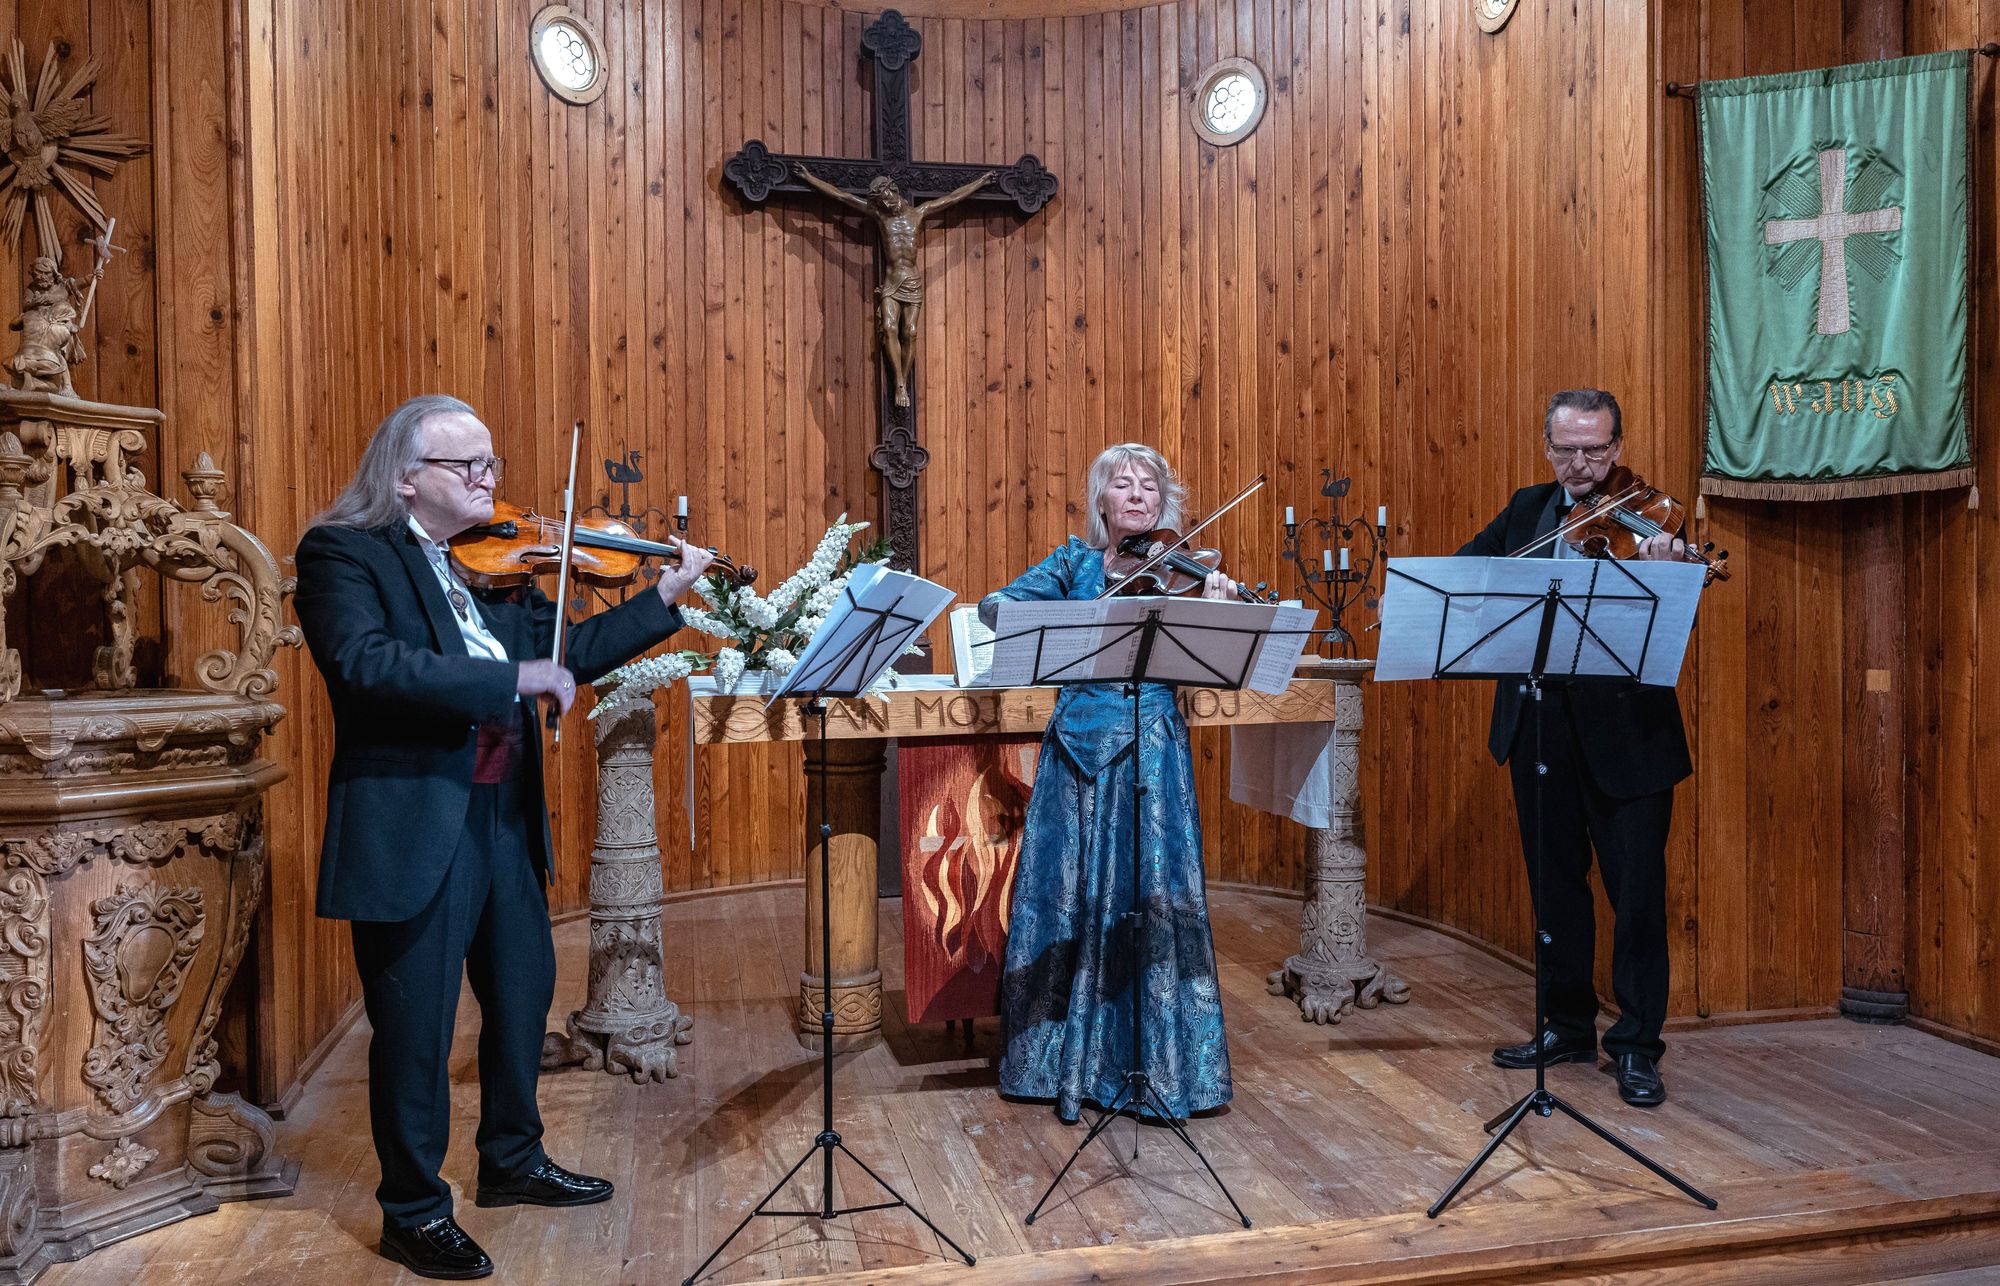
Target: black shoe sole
435,1274
1569,1056
491,1200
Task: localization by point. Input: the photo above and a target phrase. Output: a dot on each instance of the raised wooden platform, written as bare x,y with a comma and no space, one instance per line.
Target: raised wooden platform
1840,1153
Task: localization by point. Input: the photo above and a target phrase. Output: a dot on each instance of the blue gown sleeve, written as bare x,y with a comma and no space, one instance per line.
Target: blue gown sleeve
1052,578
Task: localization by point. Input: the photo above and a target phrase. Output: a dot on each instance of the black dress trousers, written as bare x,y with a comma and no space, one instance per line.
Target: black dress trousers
489,922
1630,839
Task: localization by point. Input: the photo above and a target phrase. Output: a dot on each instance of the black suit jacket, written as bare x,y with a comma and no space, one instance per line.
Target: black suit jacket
408,701
1631,734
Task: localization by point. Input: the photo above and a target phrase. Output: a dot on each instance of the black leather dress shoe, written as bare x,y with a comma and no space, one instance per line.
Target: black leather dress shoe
548,1184
437,1249
1639,1080
1559,1051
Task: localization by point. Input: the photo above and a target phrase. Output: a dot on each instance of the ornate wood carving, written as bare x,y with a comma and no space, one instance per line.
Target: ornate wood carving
20,1209
24,987
627,1023
125,1162
108,514
1333,971
137,958
759,173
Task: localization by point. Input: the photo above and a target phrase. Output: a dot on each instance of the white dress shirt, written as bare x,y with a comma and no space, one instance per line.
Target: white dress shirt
479,641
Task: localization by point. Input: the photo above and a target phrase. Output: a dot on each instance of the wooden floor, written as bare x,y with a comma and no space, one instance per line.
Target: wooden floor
1840,1152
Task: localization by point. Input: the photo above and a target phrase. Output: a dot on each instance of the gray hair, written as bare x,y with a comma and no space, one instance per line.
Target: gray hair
1586,400
394,450
1106,466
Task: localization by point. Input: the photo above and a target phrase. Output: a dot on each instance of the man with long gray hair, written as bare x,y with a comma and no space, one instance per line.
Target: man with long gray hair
437,845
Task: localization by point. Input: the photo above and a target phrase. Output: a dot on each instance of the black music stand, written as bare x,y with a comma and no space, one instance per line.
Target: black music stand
1553,643
862,636
1132,642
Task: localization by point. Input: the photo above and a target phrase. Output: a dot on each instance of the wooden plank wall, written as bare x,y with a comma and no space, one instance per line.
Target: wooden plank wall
1431,229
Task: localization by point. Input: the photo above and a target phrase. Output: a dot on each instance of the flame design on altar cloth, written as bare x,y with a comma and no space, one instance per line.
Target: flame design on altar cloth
970,847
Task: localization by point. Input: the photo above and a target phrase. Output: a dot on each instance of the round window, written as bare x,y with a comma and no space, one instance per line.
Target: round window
1229,102
568,54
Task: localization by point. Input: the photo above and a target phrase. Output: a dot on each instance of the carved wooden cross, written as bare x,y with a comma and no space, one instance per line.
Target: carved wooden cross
758,173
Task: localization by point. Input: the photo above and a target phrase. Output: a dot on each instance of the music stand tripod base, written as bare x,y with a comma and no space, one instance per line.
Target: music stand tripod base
867,641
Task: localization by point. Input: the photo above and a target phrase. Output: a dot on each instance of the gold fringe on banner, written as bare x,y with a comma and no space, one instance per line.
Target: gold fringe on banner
1836,489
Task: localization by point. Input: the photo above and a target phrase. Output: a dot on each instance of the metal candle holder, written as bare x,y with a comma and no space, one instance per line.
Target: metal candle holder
1338,589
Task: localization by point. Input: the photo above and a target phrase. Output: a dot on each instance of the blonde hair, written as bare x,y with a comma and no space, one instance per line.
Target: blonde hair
1107,465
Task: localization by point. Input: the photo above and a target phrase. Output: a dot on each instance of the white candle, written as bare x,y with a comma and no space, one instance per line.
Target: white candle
1381,515
1326,559
1343,558
681,508
1288,517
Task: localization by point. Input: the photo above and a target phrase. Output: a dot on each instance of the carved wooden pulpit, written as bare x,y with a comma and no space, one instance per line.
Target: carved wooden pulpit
132,853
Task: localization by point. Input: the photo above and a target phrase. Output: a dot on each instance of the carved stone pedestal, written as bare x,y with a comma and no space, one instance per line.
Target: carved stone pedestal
627,1024
132,858
1333,971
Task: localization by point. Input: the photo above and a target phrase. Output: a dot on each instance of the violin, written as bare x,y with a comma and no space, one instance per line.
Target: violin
1624,512
1157,562
516,545
1167,567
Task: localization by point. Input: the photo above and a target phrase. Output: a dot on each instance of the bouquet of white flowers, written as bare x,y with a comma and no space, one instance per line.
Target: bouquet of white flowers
761,632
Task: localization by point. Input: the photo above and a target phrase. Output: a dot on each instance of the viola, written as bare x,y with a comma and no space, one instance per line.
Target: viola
516,545
1154,562
1624,512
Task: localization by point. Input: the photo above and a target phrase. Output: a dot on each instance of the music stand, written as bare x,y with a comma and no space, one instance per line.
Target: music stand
878,613
1566,633
1132,642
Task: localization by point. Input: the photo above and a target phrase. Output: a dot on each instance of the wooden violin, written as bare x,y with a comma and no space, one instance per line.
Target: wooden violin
1622,514
516,545
1159,561
1170,569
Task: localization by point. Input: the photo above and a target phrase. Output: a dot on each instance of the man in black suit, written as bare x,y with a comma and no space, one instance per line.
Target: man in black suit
1614,753
437,843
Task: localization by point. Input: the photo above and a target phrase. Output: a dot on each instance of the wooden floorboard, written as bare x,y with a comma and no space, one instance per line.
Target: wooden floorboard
1840,1152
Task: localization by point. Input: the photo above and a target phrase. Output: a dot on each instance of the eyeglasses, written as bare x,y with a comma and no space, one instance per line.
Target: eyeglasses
475,469
1595,453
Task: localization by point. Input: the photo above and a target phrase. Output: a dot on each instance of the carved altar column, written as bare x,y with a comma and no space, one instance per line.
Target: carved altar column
1333,971
627,1023
853,779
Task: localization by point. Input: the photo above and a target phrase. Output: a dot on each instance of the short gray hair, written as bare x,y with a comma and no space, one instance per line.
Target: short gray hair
393,452
1587,400
1106,466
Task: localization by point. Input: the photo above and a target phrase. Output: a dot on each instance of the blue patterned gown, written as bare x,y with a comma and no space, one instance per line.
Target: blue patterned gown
1065,997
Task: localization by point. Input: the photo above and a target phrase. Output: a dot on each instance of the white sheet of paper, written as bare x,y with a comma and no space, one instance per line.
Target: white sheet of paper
1490,621
971,646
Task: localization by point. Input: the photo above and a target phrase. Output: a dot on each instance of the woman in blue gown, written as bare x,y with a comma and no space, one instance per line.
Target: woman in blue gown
1066,994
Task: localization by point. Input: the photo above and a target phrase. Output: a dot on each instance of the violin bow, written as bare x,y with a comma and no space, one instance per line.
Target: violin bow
1192,532
562,571
1563,529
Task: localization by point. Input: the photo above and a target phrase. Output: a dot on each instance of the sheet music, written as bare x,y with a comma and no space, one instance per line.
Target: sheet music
1278,659
1445,616
971,646
1204,642
844,657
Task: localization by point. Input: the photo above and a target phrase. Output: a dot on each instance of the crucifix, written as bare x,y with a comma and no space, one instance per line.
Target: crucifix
901,194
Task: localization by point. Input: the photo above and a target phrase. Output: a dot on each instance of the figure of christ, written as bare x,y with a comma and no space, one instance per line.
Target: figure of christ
900,297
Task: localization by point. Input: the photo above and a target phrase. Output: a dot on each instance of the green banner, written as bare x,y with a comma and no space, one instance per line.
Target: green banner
1838,225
